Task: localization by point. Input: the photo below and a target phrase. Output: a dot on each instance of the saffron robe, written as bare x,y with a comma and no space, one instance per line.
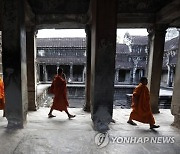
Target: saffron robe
141,110
59,89
2,104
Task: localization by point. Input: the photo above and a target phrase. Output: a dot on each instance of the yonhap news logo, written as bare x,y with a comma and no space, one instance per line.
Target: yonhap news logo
154,139
103,139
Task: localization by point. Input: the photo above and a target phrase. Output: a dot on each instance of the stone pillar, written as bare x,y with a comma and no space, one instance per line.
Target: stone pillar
155,65
103,48
148,50
83,74
71,72
37,73
14,62
1,13
135,61
57,67
1,71
169,76
31,69
44,73
134,75
141,73
131,76
172,76
175,104
88,68
117,75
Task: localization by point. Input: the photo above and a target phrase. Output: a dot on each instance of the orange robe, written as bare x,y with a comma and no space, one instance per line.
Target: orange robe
141,111
59,89
2,105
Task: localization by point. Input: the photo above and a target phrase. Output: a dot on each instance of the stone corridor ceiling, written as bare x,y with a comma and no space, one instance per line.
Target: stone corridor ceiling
131,13
59,6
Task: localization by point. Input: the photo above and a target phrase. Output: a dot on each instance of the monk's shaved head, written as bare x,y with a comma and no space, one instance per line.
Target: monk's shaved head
144,80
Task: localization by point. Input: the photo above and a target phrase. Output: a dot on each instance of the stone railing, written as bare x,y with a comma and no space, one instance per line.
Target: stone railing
42,92
164,101
122,95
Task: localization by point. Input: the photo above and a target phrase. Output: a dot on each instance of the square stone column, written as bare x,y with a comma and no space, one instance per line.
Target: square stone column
175,104
1,38
44,73
14,62
87,105
103,51
1,15
156,42
31,69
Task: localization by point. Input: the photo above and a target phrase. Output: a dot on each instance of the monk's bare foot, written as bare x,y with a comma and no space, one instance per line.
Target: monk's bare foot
51,116
71,116
154,126
131,122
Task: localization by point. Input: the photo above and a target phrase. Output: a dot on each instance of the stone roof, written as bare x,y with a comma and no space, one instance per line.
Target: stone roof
73,42
81,42
122,48
139,40
61,42
123,56
171,44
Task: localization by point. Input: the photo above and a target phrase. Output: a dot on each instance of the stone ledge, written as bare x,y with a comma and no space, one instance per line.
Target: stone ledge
164,101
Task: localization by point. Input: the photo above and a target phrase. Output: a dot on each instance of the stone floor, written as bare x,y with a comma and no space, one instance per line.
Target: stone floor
60,135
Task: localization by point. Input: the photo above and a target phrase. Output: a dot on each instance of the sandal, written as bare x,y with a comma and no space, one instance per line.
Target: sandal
71,116
131,122
51,116
154,126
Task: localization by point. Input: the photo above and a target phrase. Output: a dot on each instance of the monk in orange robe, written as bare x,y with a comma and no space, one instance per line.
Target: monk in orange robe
2,97
59,89
141,110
